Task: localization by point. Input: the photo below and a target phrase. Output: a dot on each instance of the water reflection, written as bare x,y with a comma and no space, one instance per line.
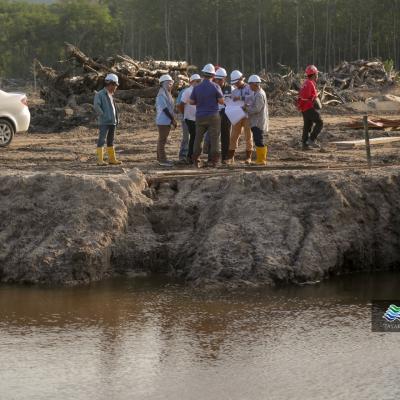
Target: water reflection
151,339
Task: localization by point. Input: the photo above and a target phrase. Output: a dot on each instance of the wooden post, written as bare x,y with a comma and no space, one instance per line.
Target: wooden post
367,146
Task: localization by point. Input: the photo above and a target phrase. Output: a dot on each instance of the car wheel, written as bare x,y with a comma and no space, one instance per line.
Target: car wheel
6,132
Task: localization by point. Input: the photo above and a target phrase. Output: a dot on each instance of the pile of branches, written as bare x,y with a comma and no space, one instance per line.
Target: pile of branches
365,74
81,76
343,85
68,92
282,90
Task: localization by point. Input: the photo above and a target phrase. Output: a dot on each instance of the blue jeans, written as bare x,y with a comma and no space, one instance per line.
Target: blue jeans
258,136
106,132
183,151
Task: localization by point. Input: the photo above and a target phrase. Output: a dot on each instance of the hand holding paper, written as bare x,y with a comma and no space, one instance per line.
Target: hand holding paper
234,111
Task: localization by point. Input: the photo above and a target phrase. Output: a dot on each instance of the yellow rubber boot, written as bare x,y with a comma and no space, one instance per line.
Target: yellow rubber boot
111,156
100,156
261,155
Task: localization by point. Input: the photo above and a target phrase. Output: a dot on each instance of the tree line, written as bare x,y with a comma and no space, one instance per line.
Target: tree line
251,36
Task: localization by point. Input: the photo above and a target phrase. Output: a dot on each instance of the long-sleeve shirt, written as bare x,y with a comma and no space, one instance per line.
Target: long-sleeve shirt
307,95
244,92
105,108
162,102
258,111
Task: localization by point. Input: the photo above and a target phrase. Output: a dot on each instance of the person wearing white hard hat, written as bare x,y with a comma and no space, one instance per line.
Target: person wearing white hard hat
165,118
107,114
184,147
241,92
257,109
206,96
189,113
220,79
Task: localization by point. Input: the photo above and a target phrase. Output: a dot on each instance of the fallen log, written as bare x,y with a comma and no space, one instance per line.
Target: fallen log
142,72
170,65
83,59
45,73
339,96
129,95
331,102
129,60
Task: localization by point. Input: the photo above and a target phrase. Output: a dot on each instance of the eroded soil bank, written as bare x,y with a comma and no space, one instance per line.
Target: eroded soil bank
254,227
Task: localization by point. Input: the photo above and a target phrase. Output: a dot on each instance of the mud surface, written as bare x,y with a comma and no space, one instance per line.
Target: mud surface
74,150
307,215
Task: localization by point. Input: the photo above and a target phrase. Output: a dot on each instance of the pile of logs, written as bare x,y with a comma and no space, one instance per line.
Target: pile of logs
368,74
282,90
343,85
81,76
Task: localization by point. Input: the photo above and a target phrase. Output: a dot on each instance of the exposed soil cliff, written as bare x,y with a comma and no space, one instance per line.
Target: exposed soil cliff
248,227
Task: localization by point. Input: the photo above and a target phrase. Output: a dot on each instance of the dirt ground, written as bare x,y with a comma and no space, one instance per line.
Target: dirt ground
74,150
64,220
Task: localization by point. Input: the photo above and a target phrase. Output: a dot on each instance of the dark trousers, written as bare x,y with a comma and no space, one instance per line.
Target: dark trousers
192,135
311,117
258,136
106,132
225,134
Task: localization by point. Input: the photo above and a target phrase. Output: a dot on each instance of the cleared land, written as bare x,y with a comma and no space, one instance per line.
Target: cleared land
74,150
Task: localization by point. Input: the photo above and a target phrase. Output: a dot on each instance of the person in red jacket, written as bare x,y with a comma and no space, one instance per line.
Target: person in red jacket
306,104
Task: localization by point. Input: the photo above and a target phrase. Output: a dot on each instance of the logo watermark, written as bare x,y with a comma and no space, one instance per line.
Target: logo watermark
385,315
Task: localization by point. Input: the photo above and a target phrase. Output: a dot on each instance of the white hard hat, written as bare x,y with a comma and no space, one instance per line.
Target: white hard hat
164,78
254,79
112,78
209,69
195,77
221,73
235,76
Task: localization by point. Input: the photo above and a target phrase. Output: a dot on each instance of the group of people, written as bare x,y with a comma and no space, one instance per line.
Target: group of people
202,107
202,110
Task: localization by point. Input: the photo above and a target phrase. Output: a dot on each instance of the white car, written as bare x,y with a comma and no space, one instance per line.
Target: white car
14,116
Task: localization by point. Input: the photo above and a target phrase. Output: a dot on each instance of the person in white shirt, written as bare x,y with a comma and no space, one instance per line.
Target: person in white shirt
184,147
220,79
189,113
257,109
241,92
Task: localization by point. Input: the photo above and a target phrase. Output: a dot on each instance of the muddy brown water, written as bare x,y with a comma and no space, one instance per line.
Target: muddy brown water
154,339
